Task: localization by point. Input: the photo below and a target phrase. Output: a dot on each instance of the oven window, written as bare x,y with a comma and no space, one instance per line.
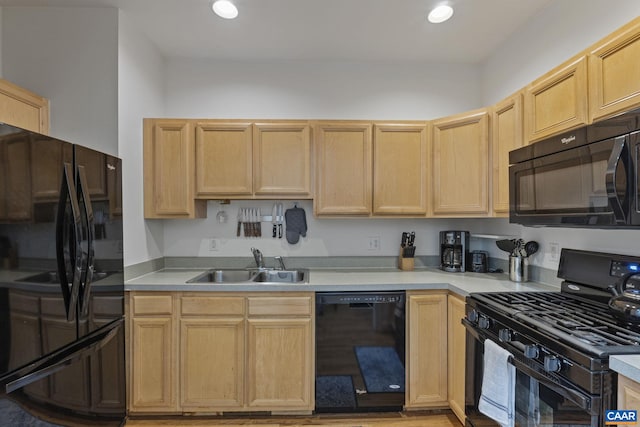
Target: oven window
572,181
537,405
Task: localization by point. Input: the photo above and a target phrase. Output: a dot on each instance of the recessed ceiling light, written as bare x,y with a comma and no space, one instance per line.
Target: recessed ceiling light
225,9
440,14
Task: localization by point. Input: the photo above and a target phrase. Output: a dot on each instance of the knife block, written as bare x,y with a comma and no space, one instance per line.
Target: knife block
406,264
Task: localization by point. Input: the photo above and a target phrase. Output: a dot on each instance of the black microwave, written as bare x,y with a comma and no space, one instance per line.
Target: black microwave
588,177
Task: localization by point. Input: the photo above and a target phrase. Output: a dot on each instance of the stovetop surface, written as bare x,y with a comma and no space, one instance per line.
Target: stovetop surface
584,324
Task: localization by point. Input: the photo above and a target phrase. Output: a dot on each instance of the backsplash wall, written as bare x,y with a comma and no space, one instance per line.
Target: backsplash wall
350,236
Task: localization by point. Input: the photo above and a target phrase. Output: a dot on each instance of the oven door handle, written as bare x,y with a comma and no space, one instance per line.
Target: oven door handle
580,399
583,401
619,147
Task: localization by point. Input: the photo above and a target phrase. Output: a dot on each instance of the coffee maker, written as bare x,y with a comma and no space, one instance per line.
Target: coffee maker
454,250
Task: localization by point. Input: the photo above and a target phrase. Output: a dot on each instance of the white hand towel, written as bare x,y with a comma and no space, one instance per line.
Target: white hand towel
497,400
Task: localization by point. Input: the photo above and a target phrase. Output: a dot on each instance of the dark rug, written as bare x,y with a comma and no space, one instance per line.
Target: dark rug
13,415
335,391
381,369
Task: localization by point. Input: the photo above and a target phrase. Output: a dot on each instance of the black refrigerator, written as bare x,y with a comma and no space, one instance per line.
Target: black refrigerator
61,283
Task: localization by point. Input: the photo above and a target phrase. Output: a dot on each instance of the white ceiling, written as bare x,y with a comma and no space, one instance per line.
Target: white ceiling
340,30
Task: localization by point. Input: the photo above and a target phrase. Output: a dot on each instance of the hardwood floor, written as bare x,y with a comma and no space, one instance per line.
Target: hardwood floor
443,418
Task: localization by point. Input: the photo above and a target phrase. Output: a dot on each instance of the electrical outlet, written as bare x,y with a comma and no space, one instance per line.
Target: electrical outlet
374,243
214,245
554,251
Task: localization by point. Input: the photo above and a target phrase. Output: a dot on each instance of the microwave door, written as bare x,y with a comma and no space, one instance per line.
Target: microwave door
568,188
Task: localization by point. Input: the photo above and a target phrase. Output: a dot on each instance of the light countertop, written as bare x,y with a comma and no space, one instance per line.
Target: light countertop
327,280
627,365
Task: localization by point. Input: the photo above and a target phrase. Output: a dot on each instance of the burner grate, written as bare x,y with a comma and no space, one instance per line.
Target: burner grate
583,323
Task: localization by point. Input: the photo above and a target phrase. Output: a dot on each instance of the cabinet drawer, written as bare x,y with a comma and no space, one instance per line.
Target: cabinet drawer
202,305
23,303
107,305
288,306
152,304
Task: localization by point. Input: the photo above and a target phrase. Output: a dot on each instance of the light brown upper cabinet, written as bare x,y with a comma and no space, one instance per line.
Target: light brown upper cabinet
282,159
22,108
461,164
245,160
343,168
400,162
223,159
506,135
614,68
169,170
557,101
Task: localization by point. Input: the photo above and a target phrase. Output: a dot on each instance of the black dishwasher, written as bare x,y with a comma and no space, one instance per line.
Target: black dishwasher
360,351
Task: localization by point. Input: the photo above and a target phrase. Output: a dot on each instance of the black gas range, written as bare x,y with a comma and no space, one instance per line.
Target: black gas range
559,343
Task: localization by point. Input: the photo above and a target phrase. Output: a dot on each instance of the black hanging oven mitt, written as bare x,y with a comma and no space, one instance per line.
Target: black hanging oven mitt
296,224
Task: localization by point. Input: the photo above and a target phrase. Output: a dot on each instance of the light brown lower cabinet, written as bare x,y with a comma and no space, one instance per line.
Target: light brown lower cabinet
426,372
456,339
628,393
229,352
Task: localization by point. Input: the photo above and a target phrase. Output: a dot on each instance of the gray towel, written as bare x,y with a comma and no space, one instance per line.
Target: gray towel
296,224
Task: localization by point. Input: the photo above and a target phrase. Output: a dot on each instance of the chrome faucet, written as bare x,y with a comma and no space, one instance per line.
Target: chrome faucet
257,255
281,262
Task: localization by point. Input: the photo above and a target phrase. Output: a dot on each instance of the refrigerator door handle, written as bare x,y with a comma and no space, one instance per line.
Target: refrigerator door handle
68,233
88,255
61,358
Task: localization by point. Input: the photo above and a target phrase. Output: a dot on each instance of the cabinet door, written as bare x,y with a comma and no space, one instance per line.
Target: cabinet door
628,393
114,185
25,324
46,170
427,350
282,159
400,169
224,159
456,356
152,354
343,168
94,164
506,135
280,370
557,101
70,387
169,170
461,164
107,364
22,108
614,67
212,364
17,179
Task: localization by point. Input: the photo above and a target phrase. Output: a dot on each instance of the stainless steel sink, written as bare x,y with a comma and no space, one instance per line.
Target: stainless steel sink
245,276
281,276
223,276
52,277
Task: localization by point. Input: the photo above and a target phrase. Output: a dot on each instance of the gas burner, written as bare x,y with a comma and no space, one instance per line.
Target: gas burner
591,338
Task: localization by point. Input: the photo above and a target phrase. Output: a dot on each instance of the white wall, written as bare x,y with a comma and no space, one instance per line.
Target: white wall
69,55
140,94
319,90
561,30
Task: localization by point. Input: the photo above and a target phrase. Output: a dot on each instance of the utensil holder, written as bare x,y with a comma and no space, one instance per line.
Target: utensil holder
518,269
406,264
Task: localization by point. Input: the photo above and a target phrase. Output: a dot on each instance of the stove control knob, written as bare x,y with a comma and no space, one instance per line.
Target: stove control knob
552,364
505,335
531,351
483,322
472,316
